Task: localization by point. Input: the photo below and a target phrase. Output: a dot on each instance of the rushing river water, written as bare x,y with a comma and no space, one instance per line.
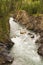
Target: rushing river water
24,50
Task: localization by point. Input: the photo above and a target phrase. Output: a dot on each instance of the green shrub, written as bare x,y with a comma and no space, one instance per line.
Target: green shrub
32,7
6,6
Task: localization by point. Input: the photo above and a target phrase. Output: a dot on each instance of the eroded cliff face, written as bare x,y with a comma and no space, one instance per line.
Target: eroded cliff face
31,22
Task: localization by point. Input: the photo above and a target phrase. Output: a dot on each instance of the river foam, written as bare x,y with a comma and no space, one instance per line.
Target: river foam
24,50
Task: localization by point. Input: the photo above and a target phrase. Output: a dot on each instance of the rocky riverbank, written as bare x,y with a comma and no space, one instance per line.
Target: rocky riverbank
5,42
31,22
24,50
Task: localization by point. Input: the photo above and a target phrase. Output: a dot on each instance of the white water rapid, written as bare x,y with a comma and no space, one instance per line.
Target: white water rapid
24,50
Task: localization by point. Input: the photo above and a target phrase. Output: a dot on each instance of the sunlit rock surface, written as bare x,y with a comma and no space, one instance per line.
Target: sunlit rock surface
24,50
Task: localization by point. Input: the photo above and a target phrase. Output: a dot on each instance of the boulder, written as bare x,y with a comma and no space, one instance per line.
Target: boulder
4,55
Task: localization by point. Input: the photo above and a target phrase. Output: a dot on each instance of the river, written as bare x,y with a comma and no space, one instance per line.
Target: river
24,50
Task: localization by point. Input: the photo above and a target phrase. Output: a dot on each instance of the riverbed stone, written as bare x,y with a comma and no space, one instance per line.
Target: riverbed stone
5,55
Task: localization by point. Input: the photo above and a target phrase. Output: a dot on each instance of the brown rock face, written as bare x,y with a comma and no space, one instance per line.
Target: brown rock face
4,55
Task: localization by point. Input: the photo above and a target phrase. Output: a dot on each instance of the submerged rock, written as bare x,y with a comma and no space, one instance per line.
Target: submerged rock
31,35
